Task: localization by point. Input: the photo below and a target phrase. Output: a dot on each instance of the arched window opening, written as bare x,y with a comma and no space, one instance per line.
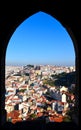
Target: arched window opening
40,78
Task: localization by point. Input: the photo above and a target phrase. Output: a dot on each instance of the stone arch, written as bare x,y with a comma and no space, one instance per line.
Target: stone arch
11,21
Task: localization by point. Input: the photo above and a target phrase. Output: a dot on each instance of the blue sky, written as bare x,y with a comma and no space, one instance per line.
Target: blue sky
40,39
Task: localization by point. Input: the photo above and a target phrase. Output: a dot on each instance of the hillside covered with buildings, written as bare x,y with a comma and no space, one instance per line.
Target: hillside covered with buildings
40,92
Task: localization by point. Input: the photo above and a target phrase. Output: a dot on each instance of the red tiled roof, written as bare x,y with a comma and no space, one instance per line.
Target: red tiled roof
14,114
40,114
56,119
16,120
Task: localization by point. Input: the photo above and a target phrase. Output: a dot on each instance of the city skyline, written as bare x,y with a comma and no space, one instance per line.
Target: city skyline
40,39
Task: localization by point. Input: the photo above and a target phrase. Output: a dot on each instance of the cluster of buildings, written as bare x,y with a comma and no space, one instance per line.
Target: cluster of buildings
27,98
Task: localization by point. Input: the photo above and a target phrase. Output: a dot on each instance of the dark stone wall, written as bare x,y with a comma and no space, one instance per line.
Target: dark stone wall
12,14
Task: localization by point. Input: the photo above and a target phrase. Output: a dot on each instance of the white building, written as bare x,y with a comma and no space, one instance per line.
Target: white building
63,88
54,105
9,108
63,97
